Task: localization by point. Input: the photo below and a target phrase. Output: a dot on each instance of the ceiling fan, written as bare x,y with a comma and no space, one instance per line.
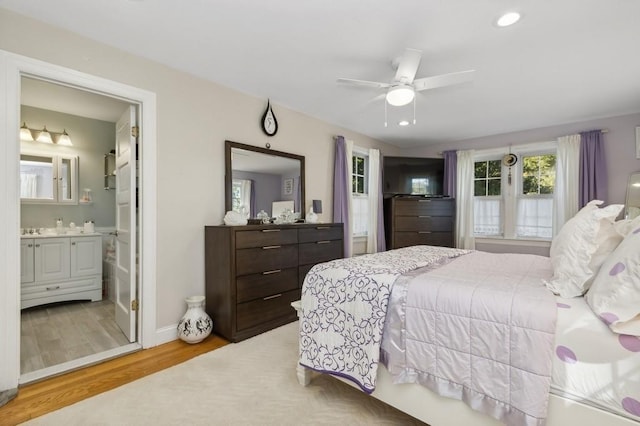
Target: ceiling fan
402,88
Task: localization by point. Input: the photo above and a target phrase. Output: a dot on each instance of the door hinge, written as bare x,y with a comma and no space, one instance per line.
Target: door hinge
135,130
134,305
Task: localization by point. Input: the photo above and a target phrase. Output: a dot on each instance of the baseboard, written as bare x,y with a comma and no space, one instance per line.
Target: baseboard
167,334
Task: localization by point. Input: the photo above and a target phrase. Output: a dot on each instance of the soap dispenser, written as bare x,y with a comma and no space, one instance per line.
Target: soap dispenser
59,229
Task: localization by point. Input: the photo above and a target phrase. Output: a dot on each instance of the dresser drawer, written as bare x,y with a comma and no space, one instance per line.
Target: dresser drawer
266,237
249,287
426,207
405,239
320,233
416,223
320,251
266,258
257,312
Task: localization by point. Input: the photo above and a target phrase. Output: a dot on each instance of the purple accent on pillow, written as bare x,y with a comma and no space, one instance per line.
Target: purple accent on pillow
631,405
617,268
636,231
630,343
563,305
609,318
565,354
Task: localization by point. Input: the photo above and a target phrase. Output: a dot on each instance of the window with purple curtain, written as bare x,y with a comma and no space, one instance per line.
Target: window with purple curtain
593,168
450,171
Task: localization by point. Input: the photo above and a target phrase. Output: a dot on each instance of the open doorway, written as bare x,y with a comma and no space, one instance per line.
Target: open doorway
12,68
72,279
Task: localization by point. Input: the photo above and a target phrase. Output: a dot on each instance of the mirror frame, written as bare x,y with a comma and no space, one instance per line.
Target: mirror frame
228,145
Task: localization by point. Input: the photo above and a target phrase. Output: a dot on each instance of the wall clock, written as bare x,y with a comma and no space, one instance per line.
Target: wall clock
269,123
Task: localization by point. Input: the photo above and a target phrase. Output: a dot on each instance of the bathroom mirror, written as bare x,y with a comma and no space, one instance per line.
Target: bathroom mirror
257,177
48,179
632,204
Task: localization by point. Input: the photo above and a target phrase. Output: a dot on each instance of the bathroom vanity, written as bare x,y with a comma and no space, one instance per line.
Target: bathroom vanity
58,268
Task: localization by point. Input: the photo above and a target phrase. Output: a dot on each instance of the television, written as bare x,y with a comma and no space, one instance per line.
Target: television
413,176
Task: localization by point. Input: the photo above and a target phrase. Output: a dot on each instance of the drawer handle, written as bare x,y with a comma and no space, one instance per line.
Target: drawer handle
73,244
424,216
29,245
424,201
424,232
270,247
270,230
275,271
275,296
53,288
323,242
37,245
323,227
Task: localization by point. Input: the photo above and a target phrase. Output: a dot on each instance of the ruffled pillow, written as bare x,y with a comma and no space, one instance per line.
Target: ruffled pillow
580,248
615,293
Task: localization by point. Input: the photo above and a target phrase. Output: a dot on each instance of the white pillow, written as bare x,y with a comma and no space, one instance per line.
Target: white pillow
581,246
615,293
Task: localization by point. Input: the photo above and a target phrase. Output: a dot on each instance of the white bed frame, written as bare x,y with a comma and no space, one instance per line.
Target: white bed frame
436,410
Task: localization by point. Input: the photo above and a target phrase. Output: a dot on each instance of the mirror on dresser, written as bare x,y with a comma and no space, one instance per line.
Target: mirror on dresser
256,178
632,204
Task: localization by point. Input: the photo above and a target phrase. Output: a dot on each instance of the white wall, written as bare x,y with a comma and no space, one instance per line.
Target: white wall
195,117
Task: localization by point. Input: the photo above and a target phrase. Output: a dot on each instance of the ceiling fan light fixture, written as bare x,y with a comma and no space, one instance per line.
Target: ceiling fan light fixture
508,19
400,95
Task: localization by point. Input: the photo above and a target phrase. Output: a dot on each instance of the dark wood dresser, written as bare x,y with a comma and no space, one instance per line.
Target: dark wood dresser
411,221
254,272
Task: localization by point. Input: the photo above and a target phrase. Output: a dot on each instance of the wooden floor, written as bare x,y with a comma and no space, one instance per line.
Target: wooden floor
61,332
36,399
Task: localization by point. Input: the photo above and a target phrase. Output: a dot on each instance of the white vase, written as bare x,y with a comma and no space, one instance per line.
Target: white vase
311,216
195,325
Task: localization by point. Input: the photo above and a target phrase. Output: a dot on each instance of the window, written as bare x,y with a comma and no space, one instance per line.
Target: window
241,196
359,191
535,200
517,201
487,189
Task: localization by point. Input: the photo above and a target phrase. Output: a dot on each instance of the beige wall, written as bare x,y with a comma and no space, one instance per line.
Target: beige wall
194,119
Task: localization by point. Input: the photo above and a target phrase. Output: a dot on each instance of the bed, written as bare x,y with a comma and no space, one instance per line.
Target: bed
568,364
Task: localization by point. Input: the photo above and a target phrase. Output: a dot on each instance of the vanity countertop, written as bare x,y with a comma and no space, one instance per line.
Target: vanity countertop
67,234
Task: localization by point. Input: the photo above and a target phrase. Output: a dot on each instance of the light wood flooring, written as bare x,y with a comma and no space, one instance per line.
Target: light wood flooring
57,333
36,399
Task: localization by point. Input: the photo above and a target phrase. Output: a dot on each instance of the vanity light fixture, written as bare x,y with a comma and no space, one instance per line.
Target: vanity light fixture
403,123
45,136
25,133
64,139
508,19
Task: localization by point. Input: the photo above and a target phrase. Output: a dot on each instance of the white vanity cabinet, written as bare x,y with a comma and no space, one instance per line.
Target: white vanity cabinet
27,274
61,268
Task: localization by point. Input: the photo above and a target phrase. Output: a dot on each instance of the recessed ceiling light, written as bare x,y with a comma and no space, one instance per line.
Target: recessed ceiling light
403,123
507,19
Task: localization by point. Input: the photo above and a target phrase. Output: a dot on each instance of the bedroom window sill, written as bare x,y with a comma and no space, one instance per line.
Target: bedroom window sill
514,242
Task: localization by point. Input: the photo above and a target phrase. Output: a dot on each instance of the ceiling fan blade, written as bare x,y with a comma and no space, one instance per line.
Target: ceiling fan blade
366,83
443,80
408,66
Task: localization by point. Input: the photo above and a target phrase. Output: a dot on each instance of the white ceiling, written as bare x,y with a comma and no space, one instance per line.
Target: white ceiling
566,61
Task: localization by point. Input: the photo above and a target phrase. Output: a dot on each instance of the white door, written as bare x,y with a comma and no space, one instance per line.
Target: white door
125,279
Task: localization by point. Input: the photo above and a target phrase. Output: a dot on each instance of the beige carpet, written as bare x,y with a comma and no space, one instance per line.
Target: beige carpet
248,383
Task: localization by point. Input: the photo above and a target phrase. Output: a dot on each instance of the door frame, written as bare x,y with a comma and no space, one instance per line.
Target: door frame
12,68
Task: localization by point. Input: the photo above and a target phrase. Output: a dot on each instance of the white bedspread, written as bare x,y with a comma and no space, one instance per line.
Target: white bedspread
480,329
344,305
